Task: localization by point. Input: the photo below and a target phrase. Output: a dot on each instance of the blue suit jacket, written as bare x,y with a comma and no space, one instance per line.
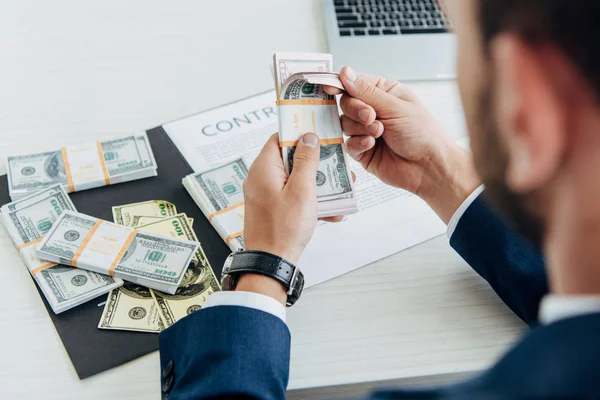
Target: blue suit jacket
238,352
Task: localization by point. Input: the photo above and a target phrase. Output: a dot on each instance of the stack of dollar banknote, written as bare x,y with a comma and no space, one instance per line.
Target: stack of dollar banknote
82,167
137,308
89,243
304,106
27,221
150,244
218,193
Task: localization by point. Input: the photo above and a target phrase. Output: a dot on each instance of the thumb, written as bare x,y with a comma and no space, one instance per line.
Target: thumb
362,88
306,161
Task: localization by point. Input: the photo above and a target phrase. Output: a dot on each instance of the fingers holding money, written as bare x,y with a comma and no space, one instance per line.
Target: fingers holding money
281,212
375,90
359,122
357,110
332,90
390,86
269,163
354,128
362,138
306,162
359,145
332,219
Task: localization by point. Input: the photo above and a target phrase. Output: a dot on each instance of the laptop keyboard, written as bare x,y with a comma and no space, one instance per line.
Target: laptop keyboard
390,17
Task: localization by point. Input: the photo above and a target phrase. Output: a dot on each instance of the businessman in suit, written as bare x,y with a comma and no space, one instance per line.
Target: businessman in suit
529,76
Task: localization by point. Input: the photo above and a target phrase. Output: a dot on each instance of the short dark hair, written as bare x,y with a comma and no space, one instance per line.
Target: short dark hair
571,25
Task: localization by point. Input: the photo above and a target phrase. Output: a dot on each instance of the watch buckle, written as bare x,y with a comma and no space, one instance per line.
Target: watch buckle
293,280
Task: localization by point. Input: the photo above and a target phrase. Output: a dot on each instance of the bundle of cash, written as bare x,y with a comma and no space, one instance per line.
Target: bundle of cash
82,167
132,307
218,193
303,106
136,308
158,262
27,221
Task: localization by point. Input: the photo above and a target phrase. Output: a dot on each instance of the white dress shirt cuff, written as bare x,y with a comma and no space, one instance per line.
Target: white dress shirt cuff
554,307
461,210
247,299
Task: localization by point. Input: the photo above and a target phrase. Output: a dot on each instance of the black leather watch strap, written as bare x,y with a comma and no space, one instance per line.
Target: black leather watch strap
263,263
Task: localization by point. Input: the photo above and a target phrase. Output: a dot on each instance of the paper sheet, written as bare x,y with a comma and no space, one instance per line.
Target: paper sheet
389,220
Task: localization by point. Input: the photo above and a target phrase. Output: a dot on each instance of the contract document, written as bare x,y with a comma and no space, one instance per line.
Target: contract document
389,219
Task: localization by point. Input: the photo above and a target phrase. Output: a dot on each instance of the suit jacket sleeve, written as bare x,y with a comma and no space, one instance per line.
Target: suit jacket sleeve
225,352
510,264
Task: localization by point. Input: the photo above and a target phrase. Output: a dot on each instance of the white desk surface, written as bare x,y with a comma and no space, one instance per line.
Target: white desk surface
73,71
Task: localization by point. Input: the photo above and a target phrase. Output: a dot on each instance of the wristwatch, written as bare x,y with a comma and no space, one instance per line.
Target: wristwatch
263,263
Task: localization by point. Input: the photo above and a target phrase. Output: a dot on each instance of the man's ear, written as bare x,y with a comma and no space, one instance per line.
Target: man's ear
529,110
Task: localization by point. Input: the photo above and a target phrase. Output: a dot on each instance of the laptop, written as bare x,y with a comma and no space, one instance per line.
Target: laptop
399,39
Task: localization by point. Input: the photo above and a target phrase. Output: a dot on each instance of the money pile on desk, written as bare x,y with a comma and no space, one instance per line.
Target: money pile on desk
218,193
153,245
82,167
27,221
303,106
155,261
137,308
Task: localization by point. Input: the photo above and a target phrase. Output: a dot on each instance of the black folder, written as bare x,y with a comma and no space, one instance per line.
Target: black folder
94,350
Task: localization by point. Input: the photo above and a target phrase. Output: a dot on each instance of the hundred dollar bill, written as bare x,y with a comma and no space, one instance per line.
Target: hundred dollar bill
304,106
157,262
27,221
83,166
176,226
198,283
218,193
125,306
131,308
139,220
123,215
199,280
287,64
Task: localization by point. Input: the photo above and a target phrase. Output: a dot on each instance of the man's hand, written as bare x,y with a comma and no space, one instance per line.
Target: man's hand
281,212
394,137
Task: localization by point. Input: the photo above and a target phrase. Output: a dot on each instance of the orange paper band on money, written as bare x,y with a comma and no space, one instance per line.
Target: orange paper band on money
233,236
103,163
69,173
111,270
85,242
43,267
67,169
211,216
293,143
305,102
24,245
